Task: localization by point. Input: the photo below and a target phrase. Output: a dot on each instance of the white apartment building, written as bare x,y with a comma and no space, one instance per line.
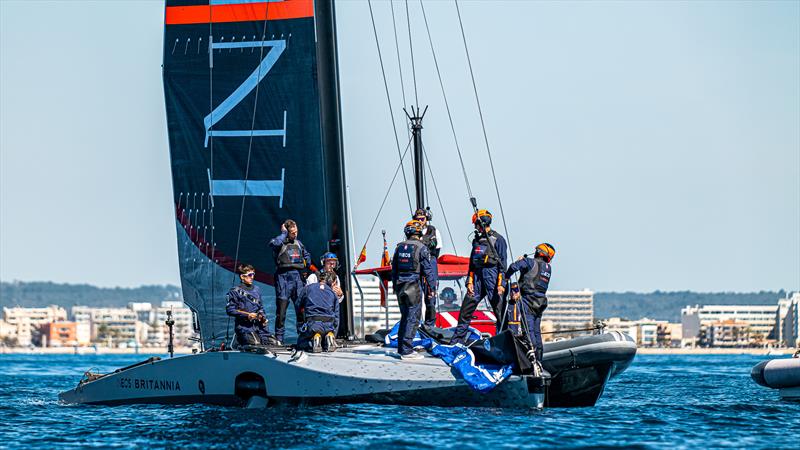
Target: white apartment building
760,318
183,329
21,323
646,332
570,309
112,326
787,321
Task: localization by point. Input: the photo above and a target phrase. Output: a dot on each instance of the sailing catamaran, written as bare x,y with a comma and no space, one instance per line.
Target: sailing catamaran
253,112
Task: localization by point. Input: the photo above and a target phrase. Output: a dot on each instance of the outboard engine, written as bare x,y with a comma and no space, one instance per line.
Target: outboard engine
251,389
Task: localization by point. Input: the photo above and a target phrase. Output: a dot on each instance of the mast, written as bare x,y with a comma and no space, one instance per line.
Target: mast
419,157
334,173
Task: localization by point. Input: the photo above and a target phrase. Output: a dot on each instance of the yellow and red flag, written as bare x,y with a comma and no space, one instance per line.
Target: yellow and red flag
385,262
363,256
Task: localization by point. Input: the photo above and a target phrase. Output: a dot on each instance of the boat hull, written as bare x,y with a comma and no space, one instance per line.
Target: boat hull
780,374
366,374
581,367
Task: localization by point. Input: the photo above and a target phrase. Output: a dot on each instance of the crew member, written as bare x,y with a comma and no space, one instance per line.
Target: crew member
412,278
448,297
321,314
487,264
330,262
290,258
244,305
534,279
433,240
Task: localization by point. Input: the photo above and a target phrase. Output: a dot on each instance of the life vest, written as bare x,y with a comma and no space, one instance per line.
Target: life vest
534,283
484,251
429,239
290,256
408,255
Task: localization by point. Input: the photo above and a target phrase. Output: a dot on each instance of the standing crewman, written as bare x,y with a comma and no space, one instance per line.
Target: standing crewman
320,313
412,278
290,258
487,265
433,240
244,305
531,298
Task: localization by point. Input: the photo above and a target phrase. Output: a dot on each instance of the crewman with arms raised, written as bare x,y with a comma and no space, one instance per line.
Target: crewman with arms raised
290,258
320,307
433,240
244,305
531,298
487,265
412,277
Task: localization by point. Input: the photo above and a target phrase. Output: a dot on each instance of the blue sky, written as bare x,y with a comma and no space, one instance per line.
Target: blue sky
655,144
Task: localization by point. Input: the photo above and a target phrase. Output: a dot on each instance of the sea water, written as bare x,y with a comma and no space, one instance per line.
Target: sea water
695,401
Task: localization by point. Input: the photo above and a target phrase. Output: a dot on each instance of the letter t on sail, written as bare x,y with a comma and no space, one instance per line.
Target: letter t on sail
253,188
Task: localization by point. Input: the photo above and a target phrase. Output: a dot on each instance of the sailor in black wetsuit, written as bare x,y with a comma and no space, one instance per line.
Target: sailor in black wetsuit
320,307
530,301
433,240
412,276
244,305
290,258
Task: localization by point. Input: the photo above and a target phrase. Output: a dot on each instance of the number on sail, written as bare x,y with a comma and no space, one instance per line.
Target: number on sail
276,49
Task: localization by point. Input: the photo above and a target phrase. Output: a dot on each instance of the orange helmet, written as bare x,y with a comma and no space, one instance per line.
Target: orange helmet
546,251
484,215
413,227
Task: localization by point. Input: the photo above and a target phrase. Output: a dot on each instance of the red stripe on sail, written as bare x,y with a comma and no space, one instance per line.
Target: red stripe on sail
241,12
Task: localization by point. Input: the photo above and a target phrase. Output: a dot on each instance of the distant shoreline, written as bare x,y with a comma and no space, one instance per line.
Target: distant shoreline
716,351
92,351
187,350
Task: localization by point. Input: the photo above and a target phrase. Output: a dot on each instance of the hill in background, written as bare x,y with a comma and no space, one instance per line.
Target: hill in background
654,305
667,305
37,294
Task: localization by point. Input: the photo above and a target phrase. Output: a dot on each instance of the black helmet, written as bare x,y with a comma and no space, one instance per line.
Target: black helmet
448,294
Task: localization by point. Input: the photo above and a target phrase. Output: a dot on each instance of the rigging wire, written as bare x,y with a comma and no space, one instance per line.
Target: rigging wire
399,68
250,146
211,165
411,47
446,104
389,99
441,205
388,191
483,127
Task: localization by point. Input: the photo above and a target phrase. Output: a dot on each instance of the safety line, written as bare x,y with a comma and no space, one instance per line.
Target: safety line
388,191
446,103
389,100
483,126
441,205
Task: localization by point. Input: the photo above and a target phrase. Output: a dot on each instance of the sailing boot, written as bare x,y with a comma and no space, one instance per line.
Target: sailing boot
316,343
330,342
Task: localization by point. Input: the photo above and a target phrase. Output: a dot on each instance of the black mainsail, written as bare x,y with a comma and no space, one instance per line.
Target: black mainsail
252,103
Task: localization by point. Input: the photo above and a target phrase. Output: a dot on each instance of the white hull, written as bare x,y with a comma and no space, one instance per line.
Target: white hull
362,374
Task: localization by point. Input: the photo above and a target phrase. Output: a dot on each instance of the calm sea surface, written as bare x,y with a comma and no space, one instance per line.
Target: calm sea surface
676,401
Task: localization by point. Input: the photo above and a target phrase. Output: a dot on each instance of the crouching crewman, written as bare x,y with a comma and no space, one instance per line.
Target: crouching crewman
245,306
320,307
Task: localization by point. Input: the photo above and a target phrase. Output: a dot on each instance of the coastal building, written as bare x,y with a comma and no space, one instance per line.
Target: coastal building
759,318
570,310
787,321
65,334
182,330
144,311
725,333
111,326
647,332
26,322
